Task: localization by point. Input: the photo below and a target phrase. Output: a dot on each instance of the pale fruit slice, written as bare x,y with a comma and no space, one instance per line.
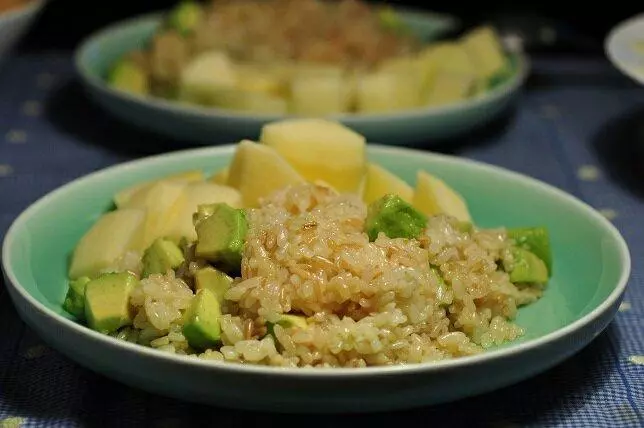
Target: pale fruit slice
108,239
449,88
485,50
433,196
258,79
205,76
380,182
315,93
320,149
179,224
121,198
252,102
221,176
448,57
159,201
385,91
257,171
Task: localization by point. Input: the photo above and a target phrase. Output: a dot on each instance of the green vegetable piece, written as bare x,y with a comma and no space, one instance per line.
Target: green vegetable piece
107,301
185,17
394,217
214,280
391,20
75,299
201,323
443,293
203,212
162,255
129,77
527,267
221,236
287,321
536,240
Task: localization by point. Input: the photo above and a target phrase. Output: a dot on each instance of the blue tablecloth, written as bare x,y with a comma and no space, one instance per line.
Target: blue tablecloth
579,126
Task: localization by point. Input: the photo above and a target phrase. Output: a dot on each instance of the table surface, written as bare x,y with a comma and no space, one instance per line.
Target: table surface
578,125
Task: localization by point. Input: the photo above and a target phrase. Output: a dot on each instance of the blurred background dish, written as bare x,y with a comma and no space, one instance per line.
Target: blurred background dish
625,47
16,17
175,74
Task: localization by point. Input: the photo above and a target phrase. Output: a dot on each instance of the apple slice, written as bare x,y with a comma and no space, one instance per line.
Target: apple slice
380,182
220,177
109,238
258,170
433,196
121,198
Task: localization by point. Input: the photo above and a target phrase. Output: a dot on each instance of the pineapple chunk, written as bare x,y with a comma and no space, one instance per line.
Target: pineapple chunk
220,177
160,202
254,102
449,88
319,92
433,196
253,78
484,48
108,239
320,149
122,197
386,90
206,76
179,224
380,182
257,171
448,57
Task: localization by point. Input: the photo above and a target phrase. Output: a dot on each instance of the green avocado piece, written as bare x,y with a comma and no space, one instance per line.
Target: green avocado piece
185,17
287,321
214,280
527,267
75,299
390,20
162,255
127,76
221,236
107,301
536,240
394,217
203,212
201,323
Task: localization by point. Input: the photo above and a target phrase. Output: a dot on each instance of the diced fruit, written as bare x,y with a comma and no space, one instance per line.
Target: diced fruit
409,67
319,149
185,17
220,177
195,194
449,88
255,102
107,299
287,321
393,217
75,299
535,240
201,323
259,79
123,196
446,57
221,237
109,238
484,48
203,78
319,93
128,76
527,267
257,171
380,182
160,202
162,255
214,280
385,91
433,196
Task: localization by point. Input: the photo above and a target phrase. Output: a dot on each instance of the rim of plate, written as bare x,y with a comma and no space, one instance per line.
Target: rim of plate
455,363
26,9
80,57
612,40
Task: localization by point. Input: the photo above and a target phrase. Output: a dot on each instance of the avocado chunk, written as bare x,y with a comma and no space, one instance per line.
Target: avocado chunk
221,236
201,323
203,212
185,17
75,299
287,321
527,267
394,217
214,280
129,77
536,240
162,255
107,301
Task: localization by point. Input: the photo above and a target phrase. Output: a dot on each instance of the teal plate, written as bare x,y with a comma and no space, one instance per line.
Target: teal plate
591,269
206,126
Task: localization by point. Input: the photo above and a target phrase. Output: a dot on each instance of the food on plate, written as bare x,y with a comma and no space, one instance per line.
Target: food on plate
280,267
307,58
